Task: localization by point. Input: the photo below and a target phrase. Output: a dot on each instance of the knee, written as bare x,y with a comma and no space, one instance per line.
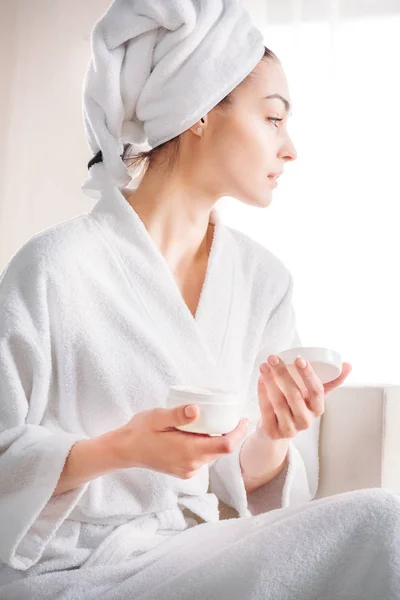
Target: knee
379,502
380,495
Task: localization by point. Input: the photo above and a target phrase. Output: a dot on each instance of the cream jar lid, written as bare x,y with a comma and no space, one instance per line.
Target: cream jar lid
326,363
209,395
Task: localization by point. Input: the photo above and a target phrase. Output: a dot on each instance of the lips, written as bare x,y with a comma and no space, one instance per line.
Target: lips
274,175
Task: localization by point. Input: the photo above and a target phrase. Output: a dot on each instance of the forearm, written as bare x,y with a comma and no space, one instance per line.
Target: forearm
88,460
262,459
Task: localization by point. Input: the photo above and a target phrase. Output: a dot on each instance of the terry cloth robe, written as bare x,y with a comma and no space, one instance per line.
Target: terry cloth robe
93,329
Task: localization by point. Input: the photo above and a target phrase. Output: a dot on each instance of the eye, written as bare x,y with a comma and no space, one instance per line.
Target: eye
274,119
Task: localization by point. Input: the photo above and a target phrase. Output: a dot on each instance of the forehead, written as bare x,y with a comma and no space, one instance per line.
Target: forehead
267,79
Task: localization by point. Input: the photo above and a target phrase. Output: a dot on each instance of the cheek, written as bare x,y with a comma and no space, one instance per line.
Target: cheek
248,147
257,153
242,156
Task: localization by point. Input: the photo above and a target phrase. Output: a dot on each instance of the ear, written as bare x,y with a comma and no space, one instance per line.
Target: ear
201,123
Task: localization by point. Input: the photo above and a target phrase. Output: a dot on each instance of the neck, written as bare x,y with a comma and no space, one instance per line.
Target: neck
179,226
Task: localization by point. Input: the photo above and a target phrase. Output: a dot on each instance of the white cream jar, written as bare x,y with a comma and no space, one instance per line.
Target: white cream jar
219,408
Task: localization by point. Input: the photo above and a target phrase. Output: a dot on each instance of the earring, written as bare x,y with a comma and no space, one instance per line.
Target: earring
199,129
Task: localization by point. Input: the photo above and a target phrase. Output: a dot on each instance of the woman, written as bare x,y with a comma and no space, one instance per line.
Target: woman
100,495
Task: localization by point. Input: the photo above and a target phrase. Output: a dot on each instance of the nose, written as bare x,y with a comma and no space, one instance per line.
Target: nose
288,151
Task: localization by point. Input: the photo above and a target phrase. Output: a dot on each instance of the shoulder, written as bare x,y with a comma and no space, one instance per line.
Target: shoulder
47,252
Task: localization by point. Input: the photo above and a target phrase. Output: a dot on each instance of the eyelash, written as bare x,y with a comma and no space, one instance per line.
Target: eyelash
274,119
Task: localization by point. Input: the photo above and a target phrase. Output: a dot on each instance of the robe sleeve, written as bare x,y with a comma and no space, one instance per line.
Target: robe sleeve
298,481
31,456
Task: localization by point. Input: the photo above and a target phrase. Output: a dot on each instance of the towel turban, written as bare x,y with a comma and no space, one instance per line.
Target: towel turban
157,67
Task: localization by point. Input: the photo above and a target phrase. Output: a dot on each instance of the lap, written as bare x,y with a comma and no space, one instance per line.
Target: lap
282,554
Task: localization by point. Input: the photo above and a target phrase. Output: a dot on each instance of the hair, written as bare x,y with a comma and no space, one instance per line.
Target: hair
168,152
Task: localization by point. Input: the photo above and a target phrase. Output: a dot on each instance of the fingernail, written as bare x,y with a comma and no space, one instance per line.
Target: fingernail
190,411
274,360
301,362
264,367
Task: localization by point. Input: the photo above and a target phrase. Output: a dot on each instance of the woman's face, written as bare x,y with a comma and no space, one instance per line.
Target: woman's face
248,142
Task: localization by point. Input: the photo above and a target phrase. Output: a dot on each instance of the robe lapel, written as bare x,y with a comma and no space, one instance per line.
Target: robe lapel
193,345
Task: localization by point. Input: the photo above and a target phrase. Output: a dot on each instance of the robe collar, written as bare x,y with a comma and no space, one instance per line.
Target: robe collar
194,345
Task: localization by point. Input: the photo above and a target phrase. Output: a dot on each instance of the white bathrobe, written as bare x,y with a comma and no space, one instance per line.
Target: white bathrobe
93,329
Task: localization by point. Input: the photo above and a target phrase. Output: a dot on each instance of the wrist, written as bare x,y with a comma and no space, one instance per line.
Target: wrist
117,447
262,459
89,459
279,446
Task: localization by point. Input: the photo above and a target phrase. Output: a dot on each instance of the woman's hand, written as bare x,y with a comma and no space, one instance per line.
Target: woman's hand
288,407
150,440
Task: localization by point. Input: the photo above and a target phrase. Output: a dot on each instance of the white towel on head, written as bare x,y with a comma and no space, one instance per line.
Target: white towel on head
157,67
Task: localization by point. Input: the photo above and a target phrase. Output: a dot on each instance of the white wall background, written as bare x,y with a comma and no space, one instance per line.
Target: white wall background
335,216
45,52
334,219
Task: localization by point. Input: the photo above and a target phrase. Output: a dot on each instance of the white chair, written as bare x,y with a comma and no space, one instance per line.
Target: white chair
359,441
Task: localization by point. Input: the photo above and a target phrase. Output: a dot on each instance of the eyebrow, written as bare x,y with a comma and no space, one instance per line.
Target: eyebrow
279,97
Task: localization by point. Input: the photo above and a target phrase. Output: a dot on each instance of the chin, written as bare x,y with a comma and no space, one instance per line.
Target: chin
261,200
